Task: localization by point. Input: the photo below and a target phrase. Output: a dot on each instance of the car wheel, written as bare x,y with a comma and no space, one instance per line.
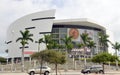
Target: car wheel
88,72
32,73
46,73
101,72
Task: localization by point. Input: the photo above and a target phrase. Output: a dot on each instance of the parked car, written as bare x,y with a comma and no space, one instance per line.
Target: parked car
93,69
44,70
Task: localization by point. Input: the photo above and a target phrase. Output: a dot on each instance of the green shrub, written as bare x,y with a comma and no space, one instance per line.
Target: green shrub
82,59
2,60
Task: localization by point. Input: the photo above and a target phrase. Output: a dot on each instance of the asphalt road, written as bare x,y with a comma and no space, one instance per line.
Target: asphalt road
62,73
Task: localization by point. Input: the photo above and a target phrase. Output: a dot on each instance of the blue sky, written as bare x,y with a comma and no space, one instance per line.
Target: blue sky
105,12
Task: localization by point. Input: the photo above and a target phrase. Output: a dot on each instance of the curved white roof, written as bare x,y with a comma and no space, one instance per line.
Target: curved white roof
82,22
36,23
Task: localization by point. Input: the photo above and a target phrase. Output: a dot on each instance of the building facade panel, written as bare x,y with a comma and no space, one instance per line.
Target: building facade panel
42,22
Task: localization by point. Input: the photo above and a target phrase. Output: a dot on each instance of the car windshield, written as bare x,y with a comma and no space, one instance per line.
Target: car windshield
43,67
87,67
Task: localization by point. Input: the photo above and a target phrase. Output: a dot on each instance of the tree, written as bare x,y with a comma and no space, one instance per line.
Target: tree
60,47
40,56
103,38
56,58
68,46
85,41
80,45
26,36
116,46
50,43
91,45
68,43
85,38
48,40
51,56
103,58
2,60
39,42
53,44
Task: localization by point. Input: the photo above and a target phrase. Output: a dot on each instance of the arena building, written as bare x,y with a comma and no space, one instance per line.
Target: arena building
44,22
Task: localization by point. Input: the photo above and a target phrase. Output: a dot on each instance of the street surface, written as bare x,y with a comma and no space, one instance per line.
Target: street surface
63,73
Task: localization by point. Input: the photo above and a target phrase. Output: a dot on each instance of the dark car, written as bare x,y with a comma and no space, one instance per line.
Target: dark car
93,69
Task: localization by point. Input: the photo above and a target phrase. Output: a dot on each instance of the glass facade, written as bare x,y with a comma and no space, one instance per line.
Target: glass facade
60,31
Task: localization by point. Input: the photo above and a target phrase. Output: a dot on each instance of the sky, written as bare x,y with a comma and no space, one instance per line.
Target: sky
104,12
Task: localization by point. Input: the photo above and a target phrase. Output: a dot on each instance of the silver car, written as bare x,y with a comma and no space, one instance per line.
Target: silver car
44,70
93,69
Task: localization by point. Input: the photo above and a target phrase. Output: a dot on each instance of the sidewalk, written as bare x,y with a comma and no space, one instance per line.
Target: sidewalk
112,72
62,72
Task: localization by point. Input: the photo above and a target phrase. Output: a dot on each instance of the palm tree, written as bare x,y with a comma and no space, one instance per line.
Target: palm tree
103,38
91,45
39,42
48,40
60,47
68,46
68,43
116,46
26,36
80,45
54,44
85,39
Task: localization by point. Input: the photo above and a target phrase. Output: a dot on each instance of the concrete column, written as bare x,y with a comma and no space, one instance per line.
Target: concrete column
12,64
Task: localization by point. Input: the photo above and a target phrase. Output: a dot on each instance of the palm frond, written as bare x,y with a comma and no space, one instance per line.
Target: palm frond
20,38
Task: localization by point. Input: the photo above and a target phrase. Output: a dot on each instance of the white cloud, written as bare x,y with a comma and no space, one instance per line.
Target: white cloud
105,12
